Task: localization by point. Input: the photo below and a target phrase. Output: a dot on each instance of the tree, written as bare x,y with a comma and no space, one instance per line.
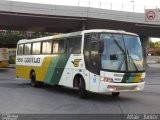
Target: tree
154,44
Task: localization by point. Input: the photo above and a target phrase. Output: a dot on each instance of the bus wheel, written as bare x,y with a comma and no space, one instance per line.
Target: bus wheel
82,90
115,94
34,83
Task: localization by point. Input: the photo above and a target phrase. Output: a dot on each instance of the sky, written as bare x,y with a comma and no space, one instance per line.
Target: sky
128,5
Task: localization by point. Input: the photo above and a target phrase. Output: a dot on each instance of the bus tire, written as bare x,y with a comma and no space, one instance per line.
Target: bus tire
34,83
115,94
81,88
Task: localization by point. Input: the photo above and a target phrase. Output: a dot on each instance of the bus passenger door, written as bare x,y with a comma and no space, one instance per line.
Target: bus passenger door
94,67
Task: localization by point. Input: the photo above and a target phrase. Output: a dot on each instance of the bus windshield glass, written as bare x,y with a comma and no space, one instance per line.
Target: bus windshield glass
122,53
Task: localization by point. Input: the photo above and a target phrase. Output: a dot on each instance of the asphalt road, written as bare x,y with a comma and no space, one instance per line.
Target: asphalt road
17,96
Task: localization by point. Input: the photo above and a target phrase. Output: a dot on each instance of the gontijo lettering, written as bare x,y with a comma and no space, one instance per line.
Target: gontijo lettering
32,60
29,60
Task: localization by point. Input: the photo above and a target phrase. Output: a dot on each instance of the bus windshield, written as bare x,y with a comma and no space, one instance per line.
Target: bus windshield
122,53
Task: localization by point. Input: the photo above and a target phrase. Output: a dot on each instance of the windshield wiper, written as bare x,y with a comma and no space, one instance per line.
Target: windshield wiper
121,64
130,58
118,45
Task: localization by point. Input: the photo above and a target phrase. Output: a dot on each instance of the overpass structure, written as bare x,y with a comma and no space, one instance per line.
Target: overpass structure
60,19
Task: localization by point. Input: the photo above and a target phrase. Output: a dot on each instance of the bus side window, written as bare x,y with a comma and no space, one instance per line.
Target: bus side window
55,46
20,49
36,48
70,45
46,47
27,49
77,44
61,48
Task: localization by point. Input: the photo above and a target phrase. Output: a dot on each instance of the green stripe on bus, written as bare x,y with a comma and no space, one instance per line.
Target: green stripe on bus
126,77
51,69
132,77
57,74
56,68
129,77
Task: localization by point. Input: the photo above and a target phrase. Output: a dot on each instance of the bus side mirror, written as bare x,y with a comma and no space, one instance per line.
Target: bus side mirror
101,46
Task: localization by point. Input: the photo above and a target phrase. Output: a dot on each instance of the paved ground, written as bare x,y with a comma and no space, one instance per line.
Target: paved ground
17,96
153,59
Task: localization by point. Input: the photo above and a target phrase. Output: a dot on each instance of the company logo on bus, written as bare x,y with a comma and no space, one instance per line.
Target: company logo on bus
76,62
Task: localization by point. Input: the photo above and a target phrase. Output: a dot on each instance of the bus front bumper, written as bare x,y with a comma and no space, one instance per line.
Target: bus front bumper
120,87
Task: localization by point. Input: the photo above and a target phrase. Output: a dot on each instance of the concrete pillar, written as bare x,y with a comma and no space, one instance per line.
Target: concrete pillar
145,42
81,26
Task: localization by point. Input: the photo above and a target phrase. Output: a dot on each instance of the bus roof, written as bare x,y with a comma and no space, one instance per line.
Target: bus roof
75,34
109,31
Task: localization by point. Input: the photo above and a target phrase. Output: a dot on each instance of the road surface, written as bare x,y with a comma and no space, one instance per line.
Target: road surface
17,96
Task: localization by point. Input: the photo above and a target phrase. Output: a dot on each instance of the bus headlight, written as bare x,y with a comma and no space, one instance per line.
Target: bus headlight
106,79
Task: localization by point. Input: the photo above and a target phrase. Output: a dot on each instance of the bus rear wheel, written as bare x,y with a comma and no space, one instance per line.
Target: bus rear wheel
35,83
81,88
33,79
115,94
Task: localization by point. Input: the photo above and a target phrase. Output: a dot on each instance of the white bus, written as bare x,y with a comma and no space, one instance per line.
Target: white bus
4,57
99,61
